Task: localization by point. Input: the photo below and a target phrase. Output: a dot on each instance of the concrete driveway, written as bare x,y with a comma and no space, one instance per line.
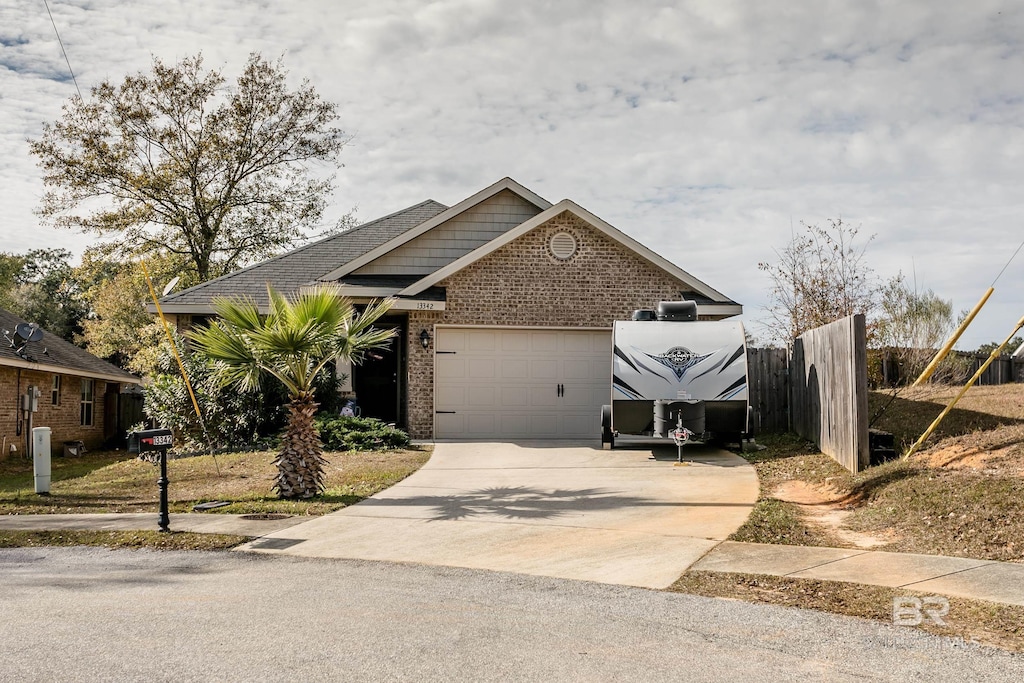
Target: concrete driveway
630,516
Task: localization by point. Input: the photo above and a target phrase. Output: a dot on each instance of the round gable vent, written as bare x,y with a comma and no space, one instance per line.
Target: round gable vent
563,246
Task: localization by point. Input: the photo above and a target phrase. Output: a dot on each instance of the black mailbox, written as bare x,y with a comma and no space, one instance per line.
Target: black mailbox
155,440
150,440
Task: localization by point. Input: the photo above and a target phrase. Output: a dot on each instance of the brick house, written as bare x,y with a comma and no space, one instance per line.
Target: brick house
503,309
79,395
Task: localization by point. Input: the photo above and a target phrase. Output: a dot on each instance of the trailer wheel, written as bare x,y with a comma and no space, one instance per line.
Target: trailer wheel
607,435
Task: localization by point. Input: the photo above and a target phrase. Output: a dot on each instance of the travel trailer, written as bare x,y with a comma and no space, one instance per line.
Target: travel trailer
674,376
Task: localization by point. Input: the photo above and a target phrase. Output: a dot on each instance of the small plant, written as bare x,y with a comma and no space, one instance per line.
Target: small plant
342,433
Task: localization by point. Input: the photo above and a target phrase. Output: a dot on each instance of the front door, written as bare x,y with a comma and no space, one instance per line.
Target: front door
377,380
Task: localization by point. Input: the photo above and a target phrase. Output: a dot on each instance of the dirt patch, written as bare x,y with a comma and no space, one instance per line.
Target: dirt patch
998,451
826,507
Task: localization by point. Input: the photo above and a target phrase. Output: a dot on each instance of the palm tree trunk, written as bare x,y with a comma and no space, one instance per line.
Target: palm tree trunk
300,464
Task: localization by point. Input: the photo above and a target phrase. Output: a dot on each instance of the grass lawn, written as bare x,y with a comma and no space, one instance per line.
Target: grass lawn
118,482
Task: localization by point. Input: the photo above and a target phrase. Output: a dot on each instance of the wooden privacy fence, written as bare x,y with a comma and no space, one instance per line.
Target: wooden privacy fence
829,390
888,371
768,384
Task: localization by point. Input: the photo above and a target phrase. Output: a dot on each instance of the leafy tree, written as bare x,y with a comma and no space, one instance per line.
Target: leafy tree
989,347
911,326
293,343
174,162
41,287
119,328
820,277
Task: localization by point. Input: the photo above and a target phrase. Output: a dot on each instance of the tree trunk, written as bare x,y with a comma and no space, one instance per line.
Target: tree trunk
300,464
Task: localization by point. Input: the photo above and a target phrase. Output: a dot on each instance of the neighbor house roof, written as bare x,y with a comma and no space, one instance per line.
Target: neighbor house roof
53,354
356,261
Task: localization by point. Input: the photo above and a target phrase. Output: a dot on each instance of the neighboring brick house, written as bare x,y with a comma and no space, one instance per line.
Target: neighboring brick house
503,305
80,395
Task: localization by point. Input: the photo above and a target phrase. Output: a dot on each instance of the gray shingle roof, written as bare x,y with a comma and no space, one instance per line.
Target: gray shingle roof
53,352
302,266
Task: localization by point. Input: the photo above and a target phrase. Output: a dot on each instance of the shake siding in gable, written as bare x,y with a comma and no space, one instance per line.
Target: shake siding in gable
454,238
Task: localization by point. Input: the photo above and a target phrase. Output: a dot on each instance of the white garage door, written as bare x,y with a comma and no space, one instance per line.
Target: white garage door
520,383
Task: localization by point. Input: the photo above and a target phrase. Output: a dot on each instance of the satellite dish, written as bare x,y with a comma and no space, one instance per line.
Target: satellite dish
30,332
171,285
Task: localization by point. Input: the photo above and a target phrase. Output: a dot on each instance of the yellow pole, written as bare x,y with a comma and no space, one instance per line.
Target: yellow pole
170,338
984,366
944,351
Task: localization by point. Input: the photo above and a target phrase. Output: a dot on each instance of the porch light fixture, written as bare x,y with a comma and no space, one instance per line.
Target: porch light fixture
425,339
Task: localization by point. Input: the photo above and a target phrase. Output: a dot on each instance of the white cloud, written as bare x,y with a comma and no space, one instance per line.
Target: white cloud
701,128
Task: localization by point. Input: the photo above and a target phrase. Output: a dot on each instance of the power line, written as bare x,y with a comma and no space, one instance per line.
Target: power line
1008,263
61,42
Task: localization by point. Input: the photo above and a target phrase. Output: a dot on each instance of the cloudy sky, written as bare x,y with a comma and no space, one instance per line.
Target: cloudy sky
704,129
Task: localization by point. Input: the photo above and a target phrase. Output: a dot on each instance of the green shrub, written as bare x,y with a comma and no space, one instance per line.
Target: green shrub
340,433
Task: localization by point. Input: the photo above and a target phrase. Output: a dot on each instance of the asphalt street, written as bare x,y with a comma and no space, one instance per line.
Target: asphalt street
76,614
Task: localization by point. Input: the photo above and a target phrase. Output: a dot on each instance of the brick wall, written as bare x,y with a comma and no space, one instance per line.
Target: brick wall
523,284
64,419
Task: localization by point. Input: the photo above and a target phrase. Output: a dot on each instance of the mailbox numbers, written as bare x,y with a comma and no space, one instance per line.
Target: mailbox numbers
163,440
424,306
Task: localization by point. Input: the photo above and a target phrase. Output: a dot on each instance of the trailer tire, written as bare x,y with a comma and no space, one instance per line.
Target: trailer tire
607,435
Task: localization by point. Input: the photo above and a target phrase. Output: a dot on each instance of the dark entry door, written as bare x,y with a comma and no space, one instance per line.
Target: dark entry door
377,382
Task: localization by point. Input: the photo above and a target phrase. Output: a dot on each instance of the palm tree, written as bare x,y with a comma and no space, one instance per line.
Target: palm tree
293,343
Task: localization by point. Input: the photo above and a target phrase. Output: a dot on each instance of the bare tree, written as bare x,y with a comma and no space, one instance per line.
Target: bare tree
175,162
820,277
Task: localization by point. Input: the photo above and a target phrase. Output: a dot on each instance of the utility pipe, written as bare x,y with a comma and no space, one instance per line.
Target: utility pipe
984,366
944,351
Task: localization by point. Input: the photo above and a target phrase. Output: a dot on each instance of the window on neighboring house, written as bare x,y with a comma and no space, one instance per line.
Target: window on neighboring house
87,401
55,391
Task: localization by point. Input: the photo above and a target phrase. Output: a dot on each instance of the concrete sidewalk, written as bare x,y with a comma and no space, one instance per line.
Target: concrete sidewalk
1001,582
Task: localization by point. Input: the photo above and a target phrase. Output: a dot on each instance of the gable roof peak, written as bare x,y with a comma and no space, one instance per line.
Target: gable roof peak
483,195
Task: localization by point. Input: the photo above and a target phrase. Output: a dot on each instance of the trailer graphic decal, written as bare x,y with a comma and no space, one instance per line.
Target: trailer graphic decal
678,359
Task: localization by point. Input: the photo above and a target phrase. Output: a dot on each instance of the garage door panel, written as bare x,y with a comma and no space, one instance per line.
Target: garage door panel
450,396
544,424
449,366
515,368
544,370
577,370
481,368
543,396
515,397
581,426
480,425
544,342
482,340
451,340
481,396
450,423
515,342
513,424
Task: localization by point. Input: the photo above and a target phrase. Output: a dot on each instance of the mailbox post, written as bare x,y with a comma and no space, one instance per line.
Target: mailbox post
155,440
